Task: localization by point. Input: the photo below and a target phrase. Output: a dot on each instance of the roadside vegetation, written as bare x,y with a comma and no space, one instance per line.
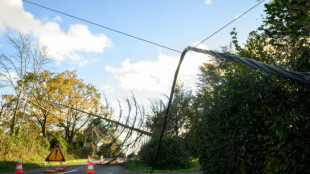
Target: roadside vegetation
239,120
242,120
31,124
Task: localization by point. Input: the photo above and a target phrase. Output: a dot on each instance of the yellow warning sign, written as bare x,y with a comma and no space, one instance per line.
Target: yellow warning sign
55,155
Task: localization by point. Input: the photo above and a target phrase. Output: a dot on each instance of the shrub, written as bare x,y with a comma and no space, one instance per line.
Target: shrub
43,142
172,155
61,141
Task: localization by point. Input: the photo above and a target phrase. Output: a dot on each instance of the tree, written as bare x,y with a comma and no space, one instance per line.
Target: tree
26,58
181,115
253,122
40,95
74,93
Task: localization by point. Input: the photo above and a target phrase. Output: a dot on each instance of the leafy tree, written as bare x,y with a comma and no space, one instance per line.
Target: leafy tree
72,92
40,96
181,115
253,122
26,58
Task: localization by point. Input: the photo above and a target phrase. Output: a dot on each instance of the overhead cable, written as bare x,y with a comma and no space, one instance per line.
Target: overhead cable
112,121
94,115
303,77
102,26
230,22
168,108
136,37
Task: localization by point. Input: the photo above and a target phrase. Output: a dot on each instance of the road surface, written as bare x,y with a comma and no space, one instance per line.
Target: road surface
98,168
80,168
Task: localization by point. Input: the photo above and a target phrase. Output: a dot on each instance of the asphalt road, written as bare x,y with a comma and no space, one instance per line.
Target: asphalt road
81,168
98,168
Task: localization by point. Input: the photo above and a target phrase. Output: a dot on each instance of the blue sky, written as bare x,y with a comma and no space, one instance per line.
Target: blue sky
118,65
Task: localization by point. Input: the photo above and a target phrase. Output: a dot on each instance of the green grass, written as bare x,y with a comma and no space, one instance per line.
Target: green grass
11,165
138,166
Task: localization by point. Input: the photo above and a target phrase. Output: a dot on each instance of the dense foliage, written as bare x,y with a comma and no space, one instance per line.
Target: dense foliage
181,118
240,120
173,154
253,122
30,121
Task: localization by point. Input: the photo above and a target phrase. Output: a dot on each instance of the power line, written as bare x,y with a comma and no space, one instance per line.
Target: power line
102,26
230,22
303,77
132,128
136,37
168,107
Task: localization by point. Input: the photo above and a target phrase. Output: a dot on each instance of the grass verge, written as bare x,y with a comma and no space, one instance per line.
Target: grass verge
138,166
6,166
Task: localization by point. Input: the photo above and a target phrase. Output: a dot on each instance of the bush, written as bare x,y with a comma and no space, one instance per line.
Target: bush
132,155
172,155
61,141
43,142
27,143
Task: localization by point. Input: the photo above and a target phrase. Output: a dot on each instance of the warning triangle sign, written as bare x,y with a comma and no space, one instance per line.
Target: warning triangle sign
55,155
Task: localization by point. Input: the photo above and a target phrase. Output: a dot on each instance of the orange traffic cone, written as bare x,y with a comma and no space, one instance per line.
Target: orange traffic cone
90,168
88,159
19,167
117,160
101,159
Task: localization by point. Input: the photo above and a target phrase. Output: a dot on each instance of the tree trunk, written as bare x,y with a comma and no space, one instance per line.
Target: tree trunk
14,116
67,133
44,126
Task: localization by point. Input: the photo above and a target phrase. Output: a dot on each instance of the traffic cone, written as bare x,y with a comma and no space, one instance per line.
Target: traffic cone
90,168
101,159
19,167
117,160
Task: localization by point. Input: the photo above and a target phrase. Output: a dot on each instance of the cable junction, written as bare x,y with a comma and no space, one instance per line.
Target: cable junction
303,77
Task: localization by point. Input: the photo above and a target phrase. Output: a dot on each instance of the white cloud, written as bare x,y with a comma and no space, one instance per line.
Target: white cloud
208,2
57,19
94,59
108,88
145,75
62,45
9,77
157,75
